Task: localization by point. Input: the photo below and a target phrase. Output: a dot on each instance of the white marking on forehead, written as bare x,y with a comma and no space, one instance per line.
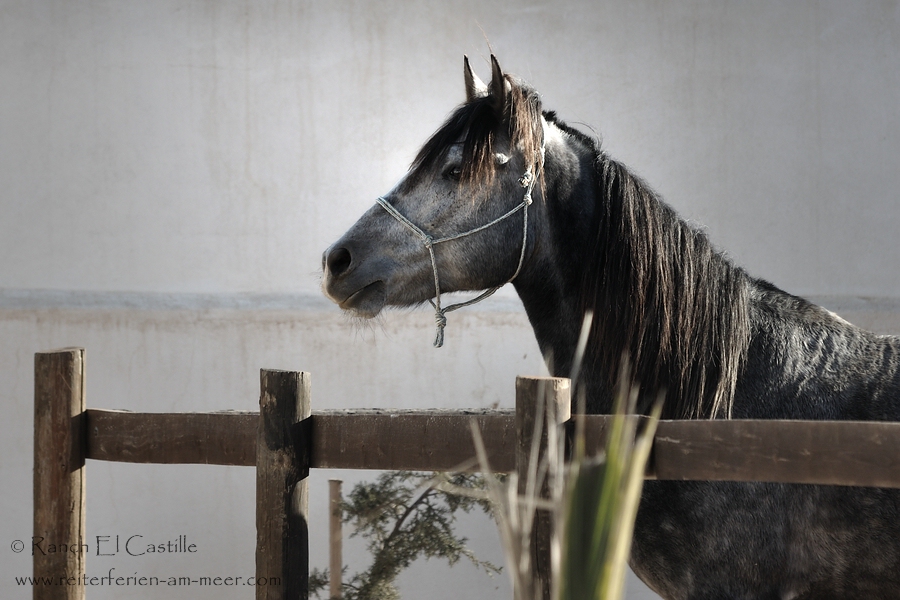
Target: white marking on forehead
454,152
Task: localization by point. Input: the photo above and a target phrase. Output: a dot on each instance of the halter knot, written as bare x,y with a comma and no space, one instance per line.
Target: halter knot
441,322
526,181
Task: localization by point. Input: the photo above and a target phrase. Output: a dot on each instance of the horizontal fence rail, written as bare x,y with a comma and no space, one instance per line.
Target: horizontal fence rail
822,452
286,438
365,439
221,438
825,452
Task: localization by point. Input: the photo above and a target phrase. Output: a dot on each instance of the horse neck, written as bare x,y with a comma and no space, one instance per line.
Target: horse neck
550,284
660,295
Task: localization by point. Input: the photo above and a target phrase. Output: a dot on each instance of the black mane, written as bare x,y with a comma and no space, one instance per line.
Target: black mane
662,296
665,298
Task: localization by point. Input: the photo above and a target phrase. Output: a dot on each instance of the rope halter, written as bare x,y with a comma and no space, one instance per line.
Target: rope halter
526,181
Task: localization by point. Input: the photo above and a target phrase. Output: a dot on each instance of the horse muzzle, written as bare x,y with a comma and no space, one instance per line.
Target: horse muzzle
345,285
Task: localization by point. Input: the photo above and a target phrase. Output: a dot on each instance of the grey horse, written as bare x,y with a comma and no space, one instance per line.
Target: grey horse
505,191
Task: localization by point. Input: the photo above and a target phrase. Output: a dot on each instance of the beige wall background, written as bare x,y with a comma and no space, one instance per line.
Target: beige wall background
171,171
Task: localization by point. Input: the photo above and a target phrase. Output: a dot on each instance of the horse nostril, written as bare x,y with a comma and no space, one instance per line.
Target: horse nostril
338,261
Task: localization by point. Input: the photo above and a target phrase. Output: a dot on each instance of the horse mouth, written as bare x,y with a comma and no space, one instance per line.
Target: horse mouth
366,302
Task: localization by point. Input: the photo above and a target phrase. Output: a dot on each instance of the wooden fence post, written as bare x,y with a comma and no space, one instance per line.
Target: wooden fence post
336,537
282,496
556,410
59,452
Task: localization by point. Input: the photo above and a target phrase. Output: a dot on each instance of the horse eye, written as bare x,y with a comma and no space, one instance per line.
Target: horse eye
453,173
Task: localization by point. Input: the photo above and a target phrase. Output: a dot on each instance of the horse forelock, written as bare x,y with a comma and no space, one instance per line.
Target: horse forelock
663,297
479,125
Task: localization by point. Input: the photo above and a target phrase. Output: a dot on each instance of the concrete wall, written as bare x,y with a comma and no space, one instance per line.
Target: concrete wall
171,172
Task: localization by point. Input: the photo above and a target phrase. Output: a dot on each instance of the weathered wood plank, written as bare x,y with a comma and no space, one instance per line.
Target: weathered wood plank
224,438
282,494
542,404
823,452
59,493
596,427
414,441
367,439
813,452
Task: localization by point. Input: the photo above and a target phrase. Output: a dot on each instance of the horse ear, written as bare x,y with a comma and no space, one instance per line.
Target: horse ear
475,87
499,87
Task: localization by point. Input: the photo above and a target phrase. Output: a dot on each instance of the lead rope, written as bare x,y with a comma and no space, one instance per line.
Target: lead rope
526,181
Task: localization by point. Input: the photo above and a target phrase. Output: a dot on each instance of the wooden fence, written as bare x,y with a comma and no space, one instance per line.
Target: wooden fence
285,439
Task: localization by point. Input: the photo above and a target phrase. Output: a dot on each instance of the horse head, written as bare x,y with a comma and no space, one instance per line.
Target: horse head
458,220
